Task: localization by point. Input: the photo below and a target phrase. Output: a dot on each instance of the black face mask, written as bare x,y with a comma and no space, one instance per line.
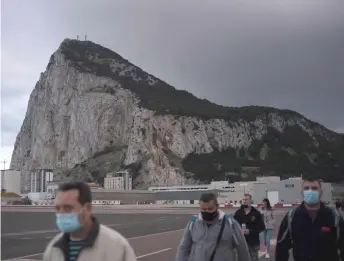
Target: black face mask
209,216
245,206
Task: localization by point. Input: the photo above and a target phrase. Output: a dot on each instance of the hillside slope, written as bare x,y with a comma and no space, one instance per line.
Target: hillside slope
93,112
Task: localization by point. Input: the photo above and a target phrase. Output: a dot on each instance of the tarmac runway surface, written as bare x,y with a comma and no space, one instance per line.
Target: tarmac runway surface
25,234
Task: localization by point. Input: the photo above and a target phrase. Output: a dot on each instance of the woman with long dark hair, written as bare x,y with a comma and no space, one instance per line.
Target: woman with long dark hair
269,221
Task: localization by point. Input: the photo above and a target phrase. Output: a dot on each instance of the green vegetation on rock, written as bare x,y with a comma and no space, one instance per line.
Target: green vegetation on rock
286,156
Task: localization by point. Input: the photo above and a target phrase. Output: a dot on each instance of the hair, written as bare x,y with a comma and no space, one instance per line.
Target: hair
319,181
248,195
267,201
85,195
207,197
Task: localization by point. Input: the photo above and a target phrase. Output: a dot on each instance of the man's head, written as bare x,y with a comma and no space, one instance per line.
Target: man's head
312,191
209,206
73,206
246,201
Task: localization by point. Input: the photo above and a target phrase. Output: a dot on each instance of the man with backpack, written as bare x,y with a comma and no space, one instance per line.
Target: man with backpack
313,231
212,235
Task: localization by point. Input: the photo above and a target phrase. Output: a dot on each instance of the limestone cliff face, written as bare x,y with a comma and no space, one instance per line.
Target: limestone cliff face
88,103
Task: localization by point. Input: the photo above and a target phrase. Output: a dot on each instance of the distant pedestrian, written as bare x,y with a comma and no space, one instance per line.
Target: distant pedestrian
82,237
252,225
338,208
212,235
313,231
269,221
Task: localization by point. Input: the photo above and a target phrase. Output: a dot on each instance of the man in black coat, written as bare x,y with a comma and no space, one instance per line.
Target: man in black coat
252,224
312,230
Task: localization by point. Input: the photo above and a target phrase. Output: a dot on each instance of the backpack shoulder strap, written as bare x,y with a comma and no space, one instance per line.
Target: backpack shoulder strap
290,216
192,221
230,218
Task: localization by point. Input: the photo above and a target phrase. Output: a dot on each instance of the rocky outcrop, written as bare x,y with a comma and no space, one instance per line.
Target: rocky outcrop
92,112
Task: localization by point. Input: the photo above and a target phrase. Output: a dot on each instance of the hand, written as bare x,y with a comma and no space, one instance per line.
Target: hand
246,231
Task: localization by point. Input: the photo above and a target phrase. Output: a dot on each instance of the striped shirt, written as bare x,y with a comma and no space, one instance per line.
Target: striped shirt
74,248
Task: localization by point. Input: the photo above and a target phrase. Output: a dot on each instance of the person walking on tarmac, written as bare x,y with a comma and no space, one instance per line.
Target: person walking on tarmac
313,231
212,235
269,221
82,238
338,208
252,223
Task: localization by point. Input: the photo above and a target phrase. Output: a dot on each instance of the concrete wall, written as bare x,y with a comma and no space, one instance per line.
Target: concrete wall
231,196
179,195
130,197
289,191
338,190
223,196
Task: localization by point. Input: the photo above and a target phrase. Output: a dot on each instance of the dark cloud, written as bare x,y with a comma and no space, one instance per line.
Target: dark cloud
284,53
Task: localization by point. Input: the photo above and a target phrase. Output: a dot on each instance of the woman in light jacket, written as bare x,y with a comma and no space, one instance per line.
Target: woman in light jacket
269,220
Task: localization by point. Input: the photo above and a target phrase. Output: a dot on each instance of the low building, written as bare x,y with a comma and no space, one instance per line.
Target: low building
121,180
288,191
11,181
221,185
93,185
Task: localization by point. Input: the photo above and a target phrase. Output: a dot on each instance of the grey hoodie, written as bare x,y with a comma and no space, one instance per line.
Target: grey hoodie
199,241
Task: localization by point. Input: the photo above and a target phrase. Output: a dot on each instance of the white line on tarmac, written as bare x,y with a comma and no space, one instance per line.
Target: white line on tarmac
154,253
30,233
45,231
131,238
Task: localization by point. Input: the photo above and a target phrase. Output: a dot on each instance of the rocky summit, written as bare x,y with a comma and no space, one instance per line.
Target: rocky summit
93,112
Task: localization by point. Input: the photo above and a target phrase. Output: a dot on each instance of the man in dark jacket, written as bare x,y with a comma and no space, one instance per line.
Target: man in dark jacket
252,225
313,231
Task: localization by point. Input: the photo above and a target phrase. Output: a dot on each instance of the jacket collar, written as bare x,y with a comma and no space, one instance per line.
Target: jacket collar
321,209
253,209
220,216
62,243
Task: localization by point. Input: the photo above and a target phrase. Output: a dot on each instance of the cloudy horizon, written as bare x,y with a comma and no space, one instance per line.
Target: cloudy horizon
287,54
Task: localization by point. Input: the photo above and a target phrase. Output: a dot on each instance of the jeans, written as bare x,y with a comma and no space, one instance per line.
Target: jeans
253,251
267,238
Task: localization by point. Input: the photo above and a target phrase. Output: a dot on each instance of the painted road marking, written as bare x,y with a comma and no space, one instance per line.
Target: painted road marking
154,253
43,231
30,233
130,238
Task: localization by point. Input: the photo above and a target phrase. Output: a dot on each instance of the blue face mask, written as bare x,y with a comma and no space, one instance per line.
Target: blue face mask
311,196
68,223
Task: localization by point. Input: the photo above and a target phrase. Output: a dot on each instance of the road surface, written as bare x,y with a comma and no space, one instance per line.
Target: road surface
24,235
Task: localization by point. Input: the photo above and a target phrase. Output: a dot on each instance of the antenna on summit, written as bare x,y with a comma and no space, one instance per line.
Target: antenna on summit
85,37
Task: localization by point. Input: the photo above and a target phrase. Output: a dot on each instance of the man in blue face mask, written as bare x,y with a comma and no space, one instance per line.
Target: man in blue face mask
82,237
312,230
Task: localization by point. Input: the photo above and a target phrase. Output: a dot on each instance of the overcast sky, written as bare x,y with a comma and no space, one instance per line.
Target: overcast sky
282,53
